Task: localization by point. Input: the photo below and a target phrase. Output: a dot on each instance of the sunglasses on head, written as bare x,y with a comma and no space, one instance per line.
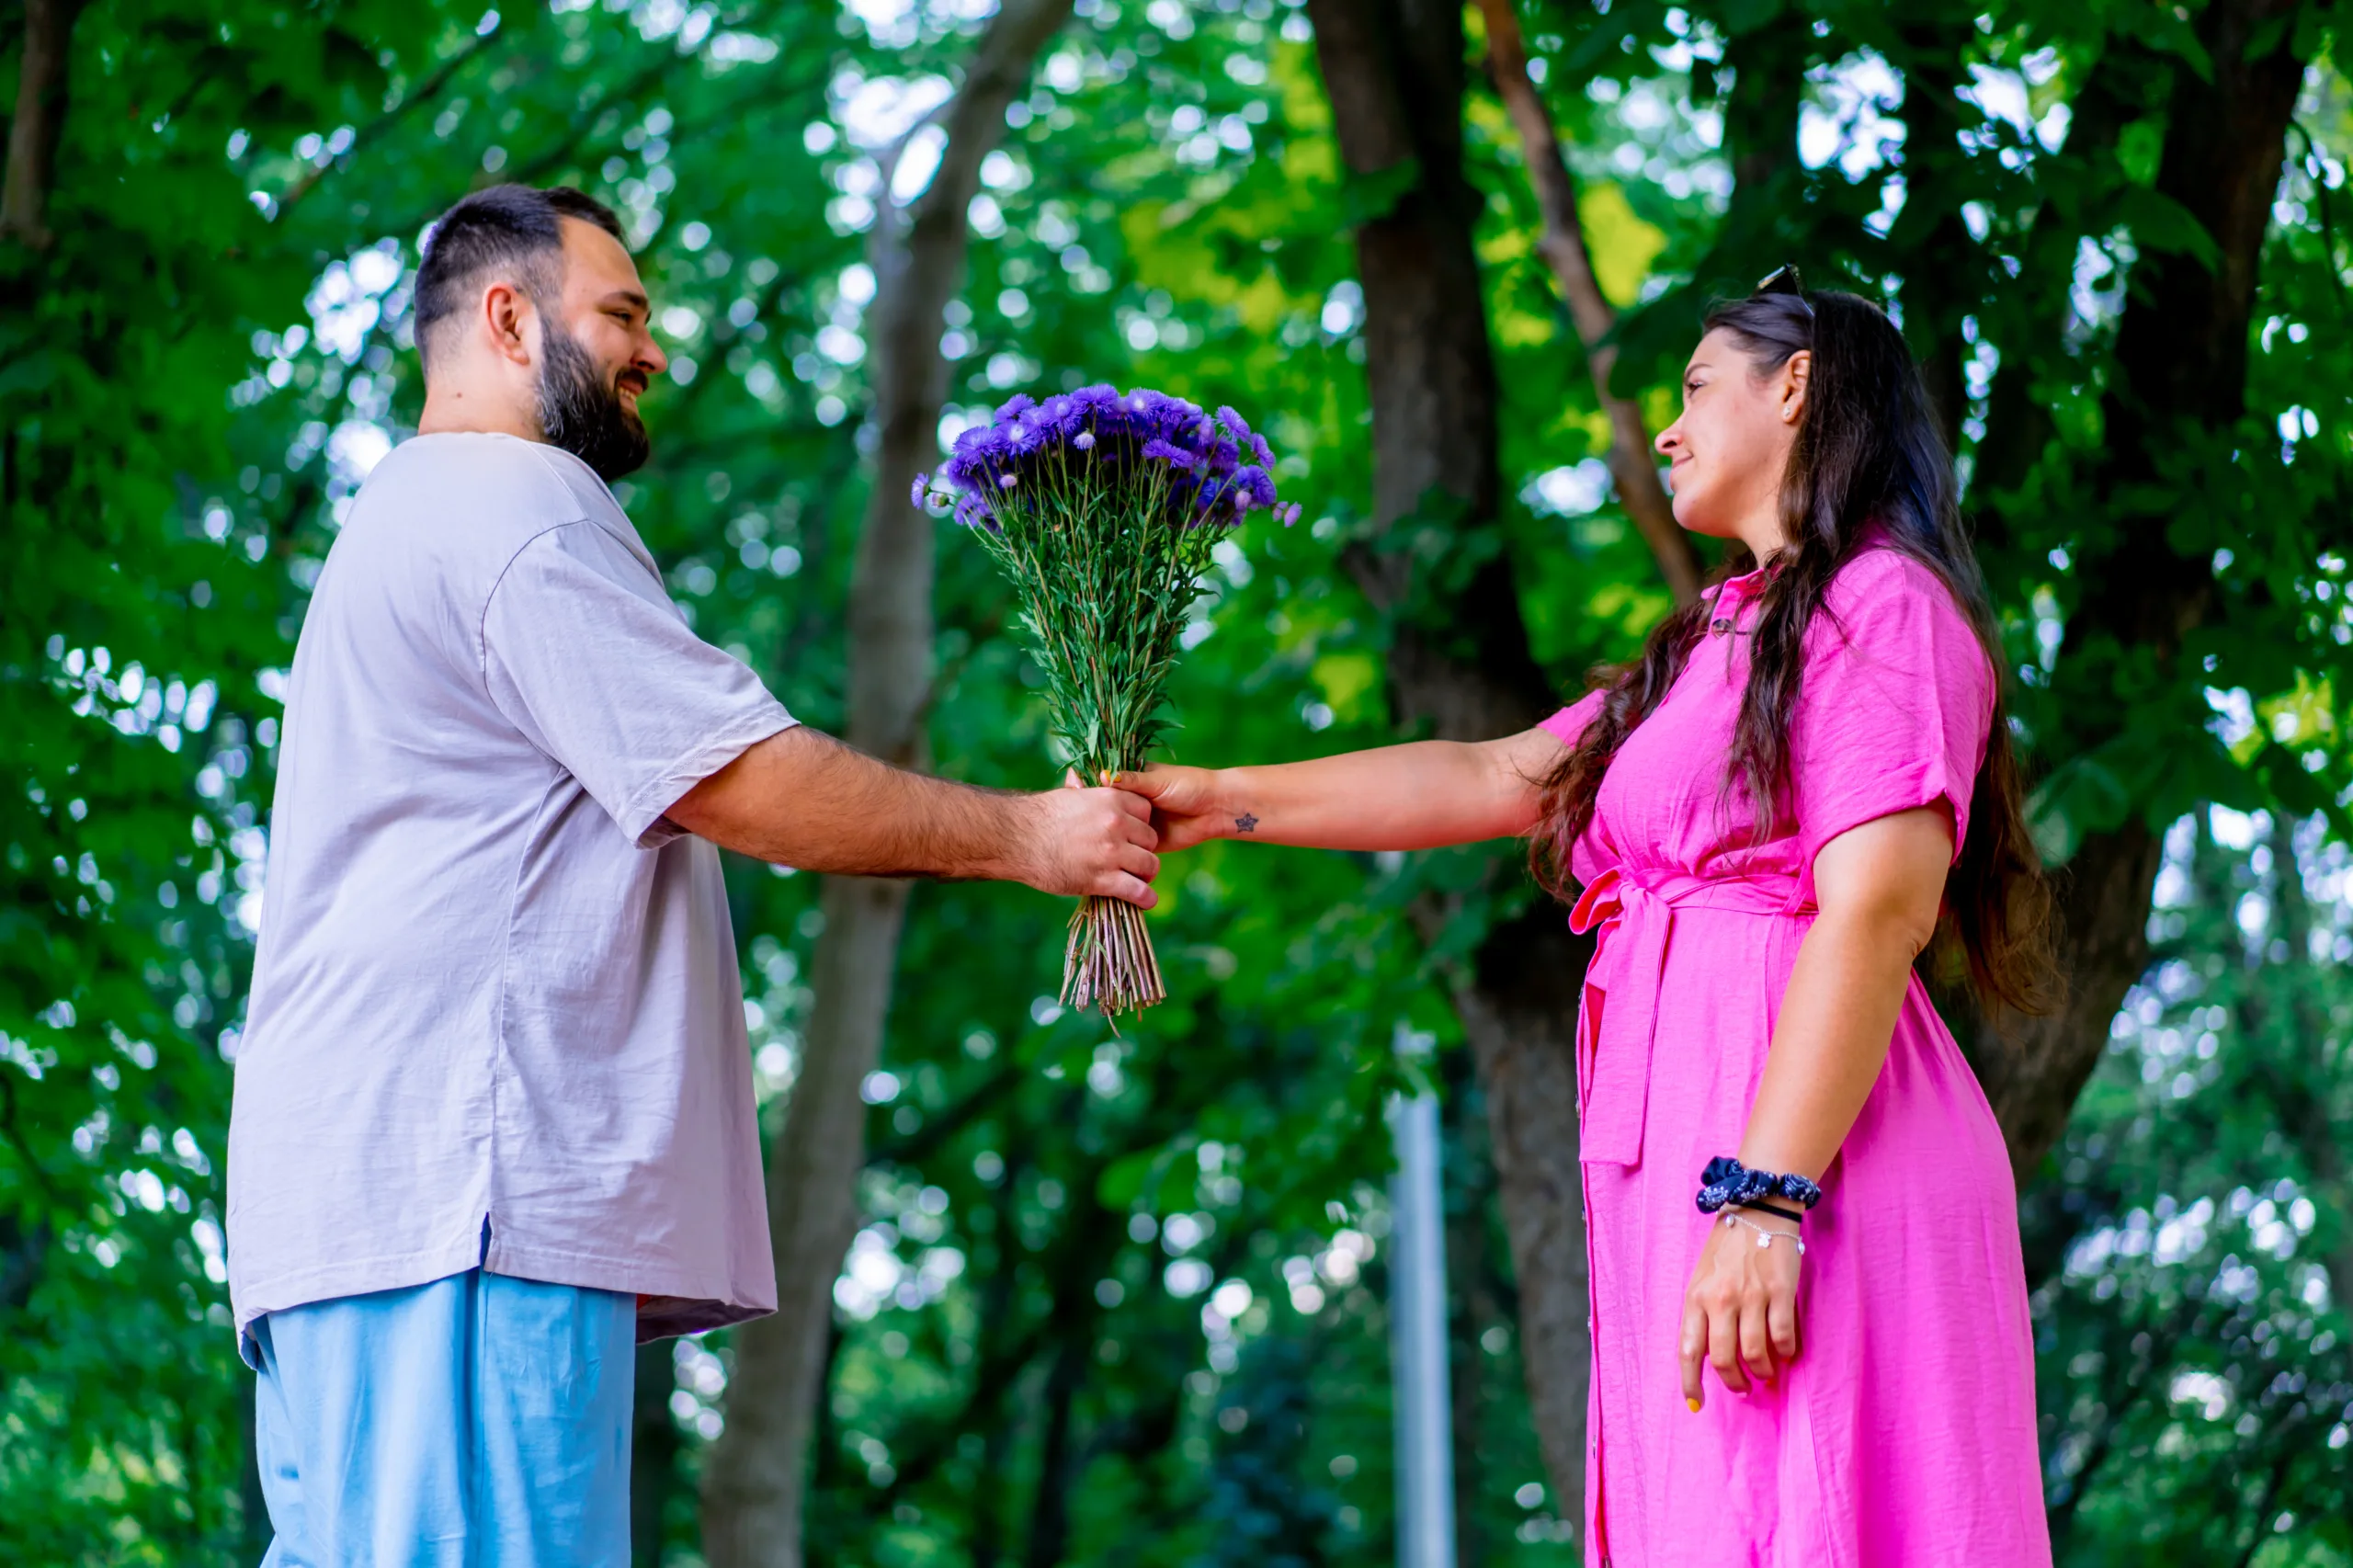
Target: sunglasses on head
1784,280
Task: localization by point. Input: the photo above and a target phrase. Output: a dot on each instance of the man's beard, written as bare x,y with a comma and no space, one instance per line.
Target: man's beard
581,410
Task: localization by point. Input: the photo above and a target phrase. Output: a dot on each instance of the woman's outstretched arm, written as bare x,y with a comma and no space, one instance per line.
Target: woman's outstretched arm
1416,796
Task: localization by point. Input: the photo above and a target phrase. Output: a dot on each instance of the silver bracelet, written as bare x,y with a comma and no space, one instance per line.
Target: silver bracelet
1766,1238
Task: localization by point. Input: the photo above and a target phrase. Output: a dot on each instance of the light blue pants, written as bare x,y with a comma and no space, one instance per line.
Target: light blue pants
477,1422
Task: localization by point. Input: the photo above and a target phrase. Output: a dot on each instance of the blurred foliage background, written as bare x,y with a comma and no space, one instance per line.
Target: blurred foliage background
1120,1299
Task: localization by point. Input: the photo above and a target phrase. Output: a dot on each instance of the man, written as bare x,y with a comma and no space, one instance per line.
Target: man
494,1116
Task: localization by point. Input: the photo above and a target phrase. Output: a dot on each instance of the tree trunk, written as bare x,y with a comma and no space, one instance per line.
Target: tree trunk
1392,70
1632,467
2181,360
41,116
754,1484
1520,1015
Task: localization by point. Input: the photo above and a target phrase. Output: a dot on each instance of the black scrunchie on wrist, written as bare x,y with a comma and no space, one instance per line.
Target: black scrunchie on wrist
1726,1180
1759,1206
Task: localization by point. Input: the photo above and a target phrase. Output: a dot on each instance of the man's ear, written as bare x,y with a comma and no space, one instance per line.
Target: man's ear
508,315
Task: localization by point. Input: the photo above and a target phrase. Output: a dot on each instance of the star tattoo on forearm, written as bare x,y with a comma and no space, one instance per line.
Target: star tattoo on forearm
1245,822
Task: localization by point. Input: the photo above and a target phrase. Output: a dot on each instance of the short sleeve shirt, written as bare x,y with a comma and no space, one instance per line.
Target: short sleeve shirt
497,992
1893,710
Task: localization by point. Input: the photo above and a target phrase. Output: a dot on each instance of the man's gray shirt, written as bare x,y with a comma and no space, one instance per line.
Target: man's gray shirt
494,981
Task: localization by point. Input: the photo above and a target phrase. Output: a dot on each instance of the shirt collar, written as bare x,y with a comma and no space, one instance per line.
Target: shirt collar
1735,591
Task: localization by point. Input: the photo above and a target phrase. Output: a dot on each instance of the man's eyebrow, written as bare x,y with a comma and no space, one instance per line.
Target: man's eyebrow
630,297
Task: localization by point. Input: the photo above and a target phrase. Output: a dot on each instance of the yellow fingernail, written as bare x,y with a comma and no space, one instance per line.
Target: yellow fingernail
1694,1404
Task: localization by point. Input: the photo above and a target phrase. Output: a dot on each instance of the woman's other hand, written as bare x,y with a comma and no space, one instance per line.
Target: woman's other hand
1740,1312
1185,809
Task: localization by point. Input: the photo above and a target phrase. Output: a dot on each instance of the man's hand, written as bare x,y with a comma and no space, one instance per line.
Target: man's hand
804,798
1185,804
1092,841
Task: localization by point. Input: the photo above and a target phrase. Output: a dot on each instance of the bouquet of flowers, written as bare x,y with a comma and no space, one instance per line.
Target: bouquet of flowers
1104,510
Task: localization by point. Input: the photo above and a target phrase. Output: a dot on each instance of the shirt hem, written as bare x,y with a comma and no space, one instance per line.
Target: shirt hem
693,1306
355,1276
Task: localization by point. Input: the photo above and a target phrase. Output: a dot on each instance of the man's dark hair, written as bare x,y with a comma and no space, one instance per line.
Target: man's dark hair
511,228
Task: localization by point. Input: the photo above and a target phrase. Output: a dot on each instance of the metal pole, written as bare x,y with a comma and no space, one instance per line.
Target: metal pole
1423,1402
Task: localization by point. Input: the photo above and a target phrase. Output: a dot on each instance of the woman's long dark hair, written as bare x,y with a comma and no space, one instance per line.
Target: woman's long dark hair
1869,457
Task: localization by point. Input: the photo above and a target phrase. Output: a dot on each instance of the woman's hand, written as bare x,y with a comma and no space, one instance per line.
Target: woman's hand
1185,809
1741,1306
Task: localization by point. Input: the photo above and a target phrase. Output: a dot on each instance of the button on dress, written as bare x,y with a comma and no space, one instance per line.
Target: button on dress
1904,1435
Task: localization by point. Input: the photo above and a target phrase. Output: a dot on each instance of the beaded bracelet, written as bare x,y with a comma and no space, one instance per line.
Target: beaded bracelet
1727,1181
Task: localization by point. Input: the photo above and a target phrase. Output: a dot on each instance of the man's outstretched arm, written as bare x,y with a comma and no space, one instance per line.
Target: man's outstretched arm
804,798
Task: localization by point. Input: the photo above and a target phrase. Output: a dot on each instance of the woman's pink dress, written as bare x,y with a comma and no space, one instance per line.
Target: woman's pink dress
1904,1435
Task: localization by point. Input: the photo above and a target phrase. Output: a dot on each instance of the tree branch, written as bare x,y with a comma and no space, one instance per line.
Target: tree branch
39,120
1563,245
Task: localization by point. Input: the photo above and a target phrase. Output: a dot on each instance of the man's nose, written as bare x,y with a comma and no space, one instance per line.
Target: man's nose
651,357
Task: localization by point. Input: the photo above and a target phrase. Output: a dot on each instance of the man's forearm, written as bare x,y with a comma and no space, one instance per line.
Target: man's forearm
804,798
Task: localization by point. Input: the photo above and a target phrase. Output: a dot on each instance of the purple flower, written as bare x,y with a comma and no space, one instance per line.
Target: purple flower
1210,471
1252,488
1099,400
1158,415
1291,514
977,450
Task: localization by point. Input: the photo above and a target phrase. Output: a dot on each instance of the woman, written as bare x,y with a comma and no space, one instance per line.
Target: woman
1803,782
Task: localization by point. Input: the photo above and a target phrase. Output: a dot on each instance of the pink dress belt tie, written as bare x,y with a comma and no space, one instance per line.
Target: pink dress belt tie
1633,913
